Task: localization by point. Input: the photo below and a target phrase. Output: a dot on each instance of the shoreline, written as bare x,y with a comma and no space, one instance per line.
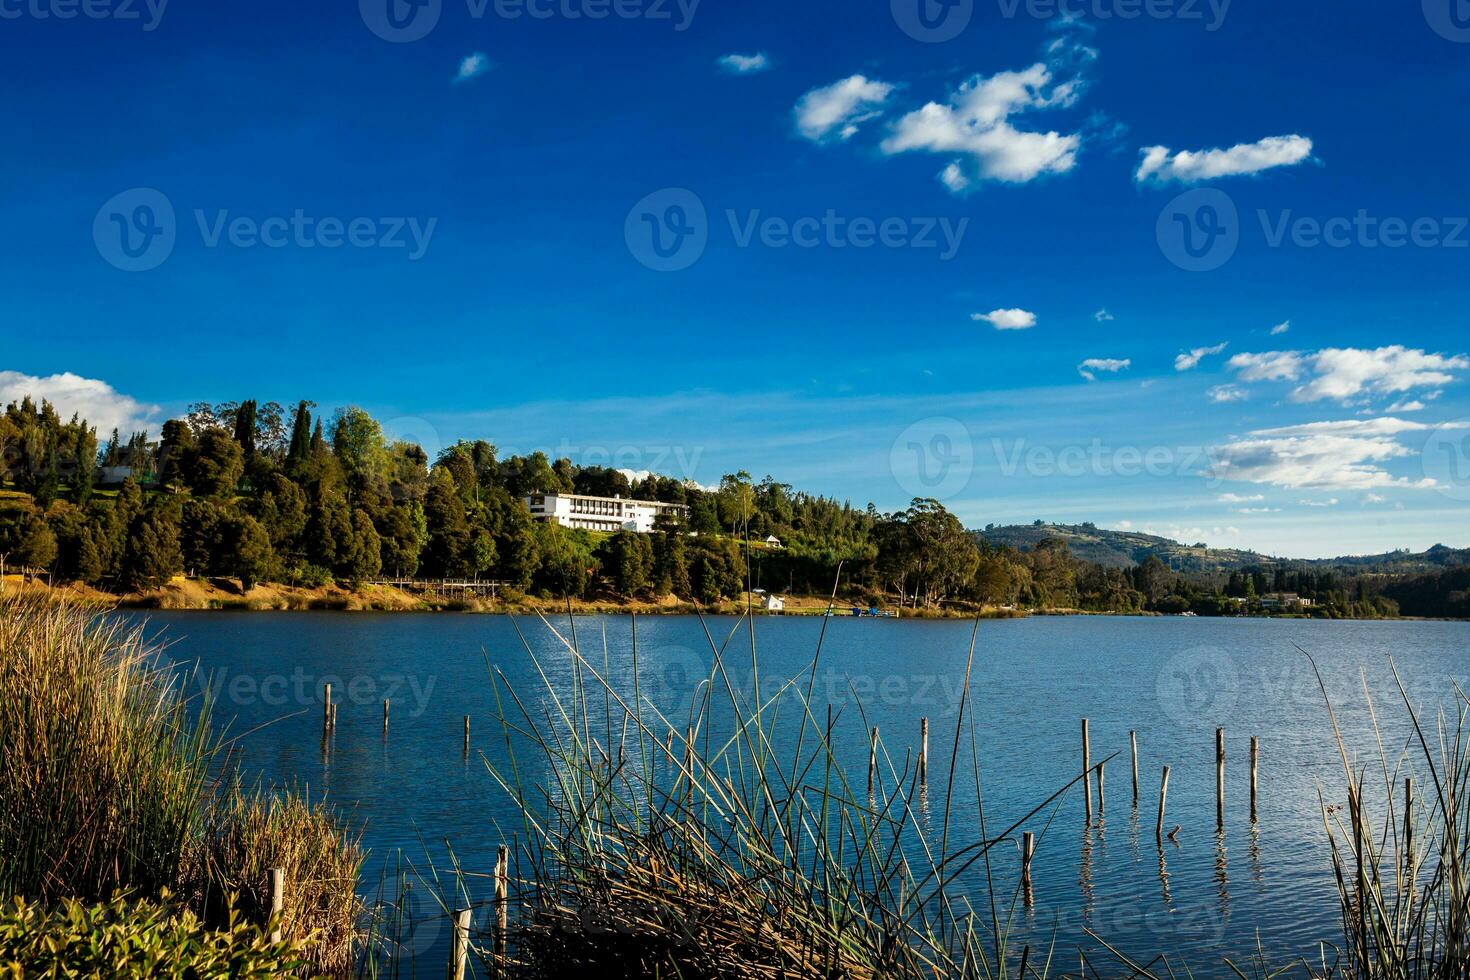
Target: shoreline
195,595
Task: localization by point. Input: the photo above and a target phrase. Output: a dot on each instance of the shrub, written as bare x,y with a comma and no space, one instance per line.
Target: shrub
126,941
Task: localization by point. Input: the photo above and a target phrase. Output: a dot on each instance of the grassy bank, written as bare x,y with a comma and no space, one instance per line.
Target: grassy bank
227,594
111,785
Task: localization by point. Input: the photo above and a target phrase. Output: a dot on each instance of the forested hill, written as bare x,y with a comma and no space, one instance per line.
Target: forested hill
1124,549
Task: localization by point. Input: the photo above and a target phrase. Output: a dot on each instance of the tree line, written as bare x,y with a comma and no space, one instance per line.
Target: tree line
265,494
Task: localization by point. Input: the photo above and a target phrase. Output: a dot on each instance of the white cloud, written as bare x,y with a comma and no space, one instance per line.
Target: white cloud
96,401
953,177
1235,498
1226,394
840,107
1343,374
1125,525
1257,510
1007,319
1373,498
1103,316
1330,502
1354,427
1094,366
1407,405
1280,328
471,67
1274,366
975,123
744,64
1162,165
1190,361
1336,455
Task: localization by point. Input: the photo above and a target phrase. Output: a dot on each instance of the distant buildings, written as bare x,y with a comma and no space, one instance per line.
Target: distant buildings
1284,600
601,513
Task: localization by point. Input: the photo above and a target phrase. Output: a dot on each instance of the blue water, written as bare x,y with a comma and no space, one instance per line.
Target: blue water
1173,681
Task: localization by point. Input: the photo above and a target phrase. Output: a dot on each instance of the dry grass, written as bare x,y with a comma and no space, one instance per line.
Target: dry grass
110,784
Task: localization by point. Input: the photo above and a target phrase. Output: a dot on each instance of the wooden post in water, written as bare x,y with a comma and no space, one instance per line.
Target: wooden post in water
1409,823
334,716
923,751
1086,770
1133,744
466,733
873,760
1100,804
1028,850
459,950
1220,777
502,901
1255,759
1163,800
385,716
327,710
278,902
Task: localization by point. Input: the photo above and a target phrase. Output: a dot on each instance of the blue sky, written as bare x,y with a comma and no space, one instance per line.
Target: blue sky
885,249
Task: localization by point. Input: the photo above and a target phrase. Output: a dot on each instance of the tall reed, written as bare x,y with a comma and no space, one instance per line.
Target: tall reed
658,843
1402,874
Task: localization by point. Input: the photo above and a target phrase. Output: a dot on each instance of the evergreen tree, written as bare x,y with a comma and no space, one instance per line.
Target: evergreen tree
245,428
152,555
300,437
214,466
175,445
251,556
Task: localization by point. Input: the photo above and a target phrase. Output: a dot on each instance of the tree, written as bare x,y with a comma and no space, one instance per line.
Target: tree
300,448
364,556
152,555
627,562
251,557
357,441
175,445
214,466
447,553
245,421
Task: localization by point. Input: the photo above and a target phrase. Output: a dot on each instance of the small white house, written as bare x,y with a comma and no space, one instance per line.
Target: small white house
773,542
775,603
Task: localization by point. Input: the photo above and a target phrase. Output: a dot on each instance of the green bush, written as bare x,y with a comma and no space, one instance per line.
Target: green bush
133,940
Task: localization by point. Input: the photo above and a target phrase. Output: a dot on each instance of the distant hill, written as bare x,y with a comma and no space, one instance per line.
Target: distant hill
1123,549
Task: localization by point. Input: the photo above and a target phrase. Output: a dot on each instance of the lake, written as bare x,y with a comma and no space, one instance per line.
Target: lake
1173,681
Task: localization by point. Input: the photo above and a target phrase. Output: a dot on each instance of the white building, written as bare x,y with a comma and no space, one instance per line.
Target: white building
600,513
